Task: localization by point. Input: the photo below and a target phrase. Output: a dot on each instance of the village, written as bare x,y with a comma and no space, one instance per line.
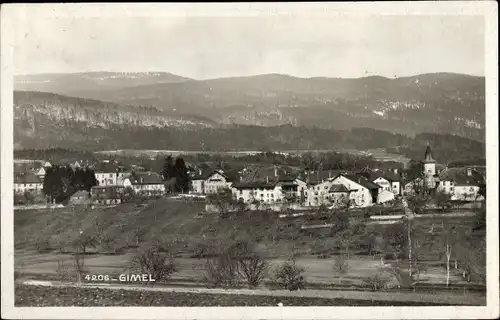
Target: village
395,228
267,187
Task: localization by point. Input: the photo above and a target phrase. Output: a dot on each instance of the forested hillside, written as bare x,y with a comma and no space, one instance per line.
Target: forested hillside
439,103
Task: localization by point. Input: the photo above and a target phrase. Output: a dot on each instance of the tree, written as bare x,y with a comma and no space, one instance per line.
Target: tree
482,190
288,275
396,239
443,200
341,266
182,181
151,261
251,265
450,241
223,199
168,171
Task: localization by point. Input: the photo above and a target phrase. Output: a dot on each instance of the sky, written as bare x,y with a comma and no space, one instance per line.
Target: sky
212,47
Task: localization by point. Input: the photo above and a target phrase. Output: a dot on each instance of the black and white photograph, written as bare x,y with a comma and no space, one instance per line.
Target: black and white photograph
250,155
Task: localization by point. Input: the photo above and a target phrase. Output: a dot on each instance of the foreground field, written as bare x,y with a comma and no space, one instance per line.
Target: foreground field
44,238
39,296
318,272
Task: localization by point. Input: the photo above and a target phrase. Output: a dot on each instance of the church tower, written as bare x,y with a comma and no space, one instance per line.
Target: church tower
429,167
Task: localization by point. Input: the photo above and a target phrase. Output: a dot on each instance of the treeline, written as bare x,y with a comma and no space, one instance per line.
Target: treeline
61,182
239,138
55,155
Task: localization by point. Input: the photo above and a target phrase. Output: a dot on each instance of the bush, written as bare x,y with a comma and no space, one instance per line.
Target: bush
375,282
289,276
253,268
151,261
221,271
237,261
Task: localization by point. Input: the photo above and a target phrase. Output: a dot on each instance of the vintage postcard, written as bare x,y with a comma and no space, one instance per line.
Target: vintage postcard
250,160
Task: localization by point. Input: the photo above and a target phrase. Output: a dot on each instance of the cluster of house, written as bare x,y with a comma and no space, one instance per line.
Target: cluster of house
112,179
459,183
274,185
341,188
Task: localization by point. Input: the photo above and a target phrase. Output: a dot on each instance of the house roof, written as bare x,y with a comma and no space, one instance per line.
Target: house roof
27,178
317,177
255,185
264,177
106,167
146,178
25,167
392,177
207,173
338,188
460,178
362,181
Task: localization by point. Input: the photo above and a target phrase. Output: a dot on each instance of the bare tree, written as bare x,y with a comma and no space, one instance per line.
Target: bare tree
449,242
341,266
150,261
222,199
254,269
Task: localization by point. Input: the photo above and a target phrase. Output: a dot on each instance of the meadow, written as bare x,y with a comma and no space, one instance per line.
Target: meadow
44,238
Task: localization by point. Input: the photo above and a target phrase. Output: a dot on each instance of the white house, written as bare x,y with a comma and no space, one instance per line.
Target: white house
302,190
261,192
385,196
319,194
121,176
339,195
145,183
210,182
461,183
363,192
267,186
389,182
40,173
27,182
106,174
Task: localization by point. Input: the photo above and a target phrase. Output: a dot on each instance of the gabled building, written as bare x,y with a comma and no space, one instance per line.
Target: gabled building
427,180
106,194
149,183
27,182
429,169
40,173
267,185
363,192
339,195
209,181
461,183
106,174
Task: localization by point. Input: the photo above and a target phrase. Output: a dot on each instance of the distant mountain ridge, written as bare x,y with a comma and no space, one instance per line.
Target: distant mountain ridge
68,83
444,103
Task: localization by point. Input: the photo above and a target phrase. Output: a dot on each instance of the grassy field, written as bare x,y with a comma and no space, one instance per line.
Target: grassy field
42,237
37,296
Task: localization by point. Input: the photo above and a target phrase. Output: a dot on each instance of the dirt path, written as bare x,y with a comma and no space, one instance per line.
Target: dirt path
450,298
